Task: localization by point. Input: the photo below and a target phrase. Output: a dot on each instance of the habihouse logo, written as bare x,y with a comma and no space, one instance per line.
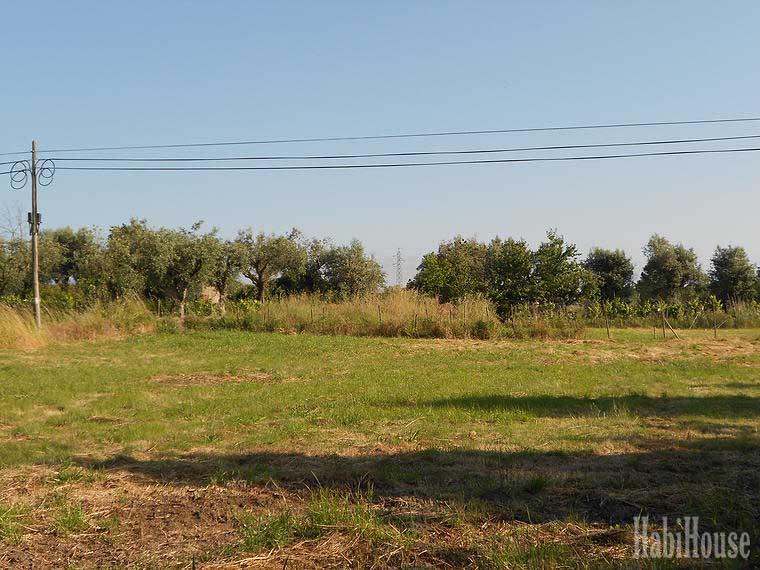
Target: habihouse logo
686,541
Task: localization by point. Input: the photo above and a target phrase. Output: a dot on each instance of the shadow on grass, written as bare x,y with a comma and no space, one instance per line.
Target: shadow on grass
742,385
733,406
717,479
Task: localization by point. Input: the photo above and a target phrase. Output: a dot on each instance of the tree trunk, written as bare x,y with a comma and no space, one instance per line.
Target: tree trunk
182,305
260,287
222,306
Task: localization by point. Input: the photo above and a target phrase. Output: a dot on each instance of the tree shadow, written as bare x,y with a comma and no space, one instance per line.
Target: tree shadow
742,385
732,406
717,479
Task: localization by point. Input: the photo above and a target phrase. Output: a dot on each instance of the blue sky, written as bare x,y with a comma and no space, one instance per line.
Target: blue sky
107,73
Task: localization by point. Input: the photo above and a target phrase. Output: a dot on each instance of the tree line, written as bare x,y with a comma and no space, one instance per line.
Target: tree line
174,266
511,274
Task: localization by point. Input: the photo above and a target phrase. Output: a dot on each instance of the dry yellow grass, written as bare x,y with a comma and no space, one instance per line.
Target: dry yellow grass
393,313
17,328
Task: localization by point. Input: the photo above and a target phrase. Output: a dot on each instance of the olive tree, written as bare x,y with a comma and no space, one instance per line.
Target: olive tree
348,271
188,263
266,256
225,267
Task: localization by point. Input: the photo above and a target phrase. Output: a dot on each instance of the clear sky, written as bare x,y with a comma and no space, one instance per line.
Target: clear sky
108,73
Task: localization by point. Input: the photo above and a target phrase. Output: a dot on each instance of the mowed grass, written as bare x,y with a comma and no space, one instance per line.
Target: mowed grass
412,452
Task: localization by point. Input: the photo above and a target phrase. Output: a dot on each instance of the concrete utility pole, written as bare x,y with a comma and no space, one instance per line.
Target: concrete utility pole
34,226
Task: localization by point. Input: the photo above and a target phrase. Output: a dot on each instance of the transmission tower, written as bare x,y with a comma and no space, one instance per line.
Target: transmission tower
399,271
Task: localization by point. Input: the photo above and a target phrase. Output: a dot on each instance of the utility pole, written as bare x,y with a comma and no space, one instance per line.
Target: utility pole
34,226
41,175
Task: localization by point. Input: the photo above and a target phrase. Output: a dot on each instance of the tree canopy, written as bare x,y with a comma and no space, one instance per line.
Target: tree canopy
733,277
671,271
613,270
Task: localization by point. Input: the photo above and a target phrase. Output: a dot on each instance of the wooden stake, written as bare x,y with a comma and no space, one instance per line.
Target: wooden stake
672,329
715,324
606,320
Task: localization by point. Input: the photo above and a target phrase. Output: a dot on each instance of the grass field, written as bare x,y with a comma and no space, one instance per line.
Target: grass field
219,449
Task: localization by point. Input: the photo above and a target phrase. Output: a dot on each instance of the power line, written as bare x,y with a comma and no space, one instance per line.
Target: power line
400,164
415,153
410,135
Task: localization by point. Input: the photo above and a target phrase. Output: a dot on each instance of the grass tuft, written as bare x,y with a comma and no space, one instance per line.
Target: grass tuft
327,511
70,518
11,522
265,532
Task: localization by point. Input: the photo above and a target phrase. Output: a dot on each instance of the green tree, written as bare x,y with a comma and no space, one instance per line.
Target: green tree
74,257
614,273
135,260
456,270
166,264
309,276
188,263
225,267
558,276
671,271
15,272
348,271
509,274
266,257
733,277
16,263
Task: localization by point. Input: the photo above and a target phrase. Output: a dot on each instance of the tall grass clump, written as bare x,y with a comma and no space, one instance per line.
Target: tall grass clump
102,320
17,329
393,313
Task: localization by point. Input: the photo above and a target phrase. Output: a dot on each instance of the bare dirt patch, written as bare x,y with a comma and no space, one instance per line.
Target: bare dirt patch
389,507
600,352
131,521
597,351
210,379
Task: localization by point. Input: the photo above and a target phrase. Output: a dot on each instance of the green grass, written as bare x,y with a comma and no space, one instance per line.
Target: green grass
325,512
70,518
325,393
530,431
268,531
12,518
